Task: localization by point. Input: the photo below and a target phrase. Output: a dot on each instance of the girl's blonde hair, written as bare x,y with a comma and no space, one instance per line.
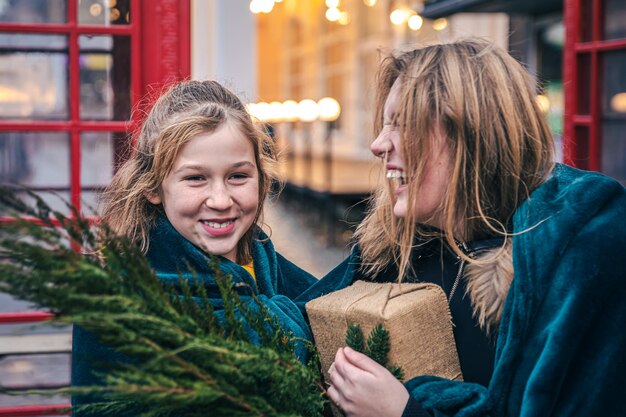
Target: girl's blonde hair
482,102
185,110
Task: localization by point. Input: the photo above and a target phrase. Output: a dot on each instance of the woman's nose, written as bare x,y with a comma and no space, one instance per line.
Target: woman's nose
381,145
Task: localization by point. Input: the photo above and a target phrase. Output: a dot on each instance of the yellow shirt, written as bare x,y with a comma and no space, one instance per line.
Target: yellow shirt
250,269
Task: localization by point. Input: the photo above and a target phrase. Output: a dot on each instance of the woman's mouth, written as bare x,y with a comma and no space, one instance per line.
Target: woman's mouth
396,175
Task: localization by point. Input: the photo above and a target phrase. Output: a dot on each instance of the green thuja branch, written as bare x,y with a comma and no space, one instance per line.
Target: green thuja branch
354,338
376,347
181,355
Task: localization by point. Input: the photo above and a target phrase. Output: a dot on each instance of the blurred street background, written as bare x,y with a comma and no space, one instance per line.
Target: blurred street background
76,76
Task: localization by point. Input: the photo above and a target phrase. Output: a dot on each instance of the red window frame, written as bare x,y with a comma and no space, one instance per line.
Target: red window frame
160,54
580,149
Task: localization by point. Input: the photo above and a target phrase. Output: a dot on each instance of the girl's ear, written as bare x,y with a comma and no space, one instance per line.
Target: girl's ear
153,197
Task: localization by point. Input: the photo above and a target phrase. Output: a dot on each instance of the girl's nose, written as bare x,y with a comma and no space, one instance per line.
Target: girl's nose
381,145
219,199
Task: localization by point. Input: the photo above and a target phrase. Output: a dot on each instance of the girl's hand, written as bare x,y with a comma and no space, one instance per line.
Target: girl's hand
363,388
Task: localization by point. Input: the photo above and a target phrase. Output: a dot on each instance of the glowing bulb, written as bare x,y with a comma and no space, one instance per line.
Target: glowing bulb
255,6
251,109
290,111
308,110
333,14
415,22
262,111
332,4
276,113
618,103
543,102
344,19
398,17
440,24
329,109
95,9
266,5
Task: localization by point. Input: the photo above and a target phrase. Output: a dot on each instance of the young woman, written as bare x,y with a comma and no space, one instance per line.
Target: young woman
195,186
529,252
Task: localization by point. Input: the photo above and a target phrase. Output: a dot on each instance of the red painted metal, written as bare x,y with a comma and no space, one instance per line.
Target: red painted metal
35,410
184,33
160,32
45,126
571,20
24,317
66,28
576,149
601,45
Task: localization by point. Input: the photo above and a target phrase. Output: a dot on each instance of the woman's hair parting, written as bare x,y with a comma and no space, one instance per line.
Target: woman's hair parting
481,102
184,111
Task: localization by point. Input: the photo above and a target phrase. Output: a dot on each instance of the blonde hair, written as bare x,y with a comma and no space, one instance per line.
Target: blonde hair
481,101
181,113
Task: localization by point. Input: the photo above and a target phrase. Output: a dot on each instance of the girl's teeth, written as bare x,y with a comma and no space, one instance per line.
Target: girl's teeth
216,225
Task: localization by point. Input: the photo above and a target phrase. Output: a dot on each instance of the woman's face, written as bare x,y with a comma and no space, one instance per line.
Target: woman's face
211,194
434,179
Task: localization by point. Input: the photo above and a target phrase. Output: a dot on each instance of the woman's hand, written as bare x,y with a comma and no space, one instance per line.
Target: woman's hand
363,388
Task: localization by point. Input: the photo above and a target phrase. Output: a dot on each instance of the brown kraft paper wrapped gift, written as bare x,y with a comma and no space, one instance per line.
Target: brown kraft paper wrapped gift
416,316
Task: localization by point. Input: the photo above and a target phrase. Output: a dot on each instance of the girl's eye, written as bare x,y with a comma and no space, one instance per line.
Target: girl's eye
239,176
194,178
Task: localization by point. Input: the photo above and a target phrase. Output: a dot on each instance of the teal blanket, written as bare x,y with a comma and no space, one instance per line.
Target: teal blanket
561,346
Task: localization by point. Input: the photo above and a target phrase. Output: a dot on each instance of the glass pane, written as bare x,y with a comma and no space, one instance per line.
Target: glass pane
613,83
586,21
33,80
33,11
33,42
584,84
104,77
96,158
35,159
581,152
614,18
614,149
104,12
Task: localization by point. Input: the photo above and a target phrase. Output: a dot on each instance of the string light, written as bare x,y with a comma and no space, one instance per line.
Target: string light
398,16
333,14
415,22
440,24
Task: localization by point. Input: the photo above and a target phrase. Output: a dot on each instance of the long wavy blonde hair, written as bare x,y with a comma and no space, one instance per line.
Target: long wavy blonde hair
482,101
185,110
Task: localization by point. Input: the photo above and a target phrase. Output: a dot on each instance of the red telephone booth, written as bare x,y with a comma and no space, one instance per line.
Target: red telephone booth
71,73
594,74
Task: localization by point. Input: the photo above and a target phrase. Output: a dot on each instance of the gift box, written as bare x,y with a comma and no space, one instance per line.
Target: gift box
416,315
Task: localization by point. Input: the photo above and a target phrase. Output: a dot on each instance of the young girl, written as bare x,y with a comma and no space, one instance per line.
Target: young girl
195,186
528,252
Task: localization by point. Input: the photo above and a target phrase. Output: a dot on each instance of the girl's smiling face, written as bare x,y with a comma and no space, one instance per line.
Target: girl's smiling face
211,194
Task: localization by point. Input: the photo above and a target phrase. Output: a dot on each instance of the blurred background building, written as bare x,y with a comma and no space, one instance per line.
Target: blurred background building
76,76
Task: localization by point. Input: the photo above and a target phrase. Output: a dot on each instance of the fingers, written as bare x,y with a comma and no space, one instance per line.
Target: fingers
360,360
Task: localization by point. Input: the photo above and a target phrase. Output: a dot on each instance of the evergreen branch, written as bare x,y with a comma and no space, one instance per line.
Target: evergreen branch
181,358
354,338
378,345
